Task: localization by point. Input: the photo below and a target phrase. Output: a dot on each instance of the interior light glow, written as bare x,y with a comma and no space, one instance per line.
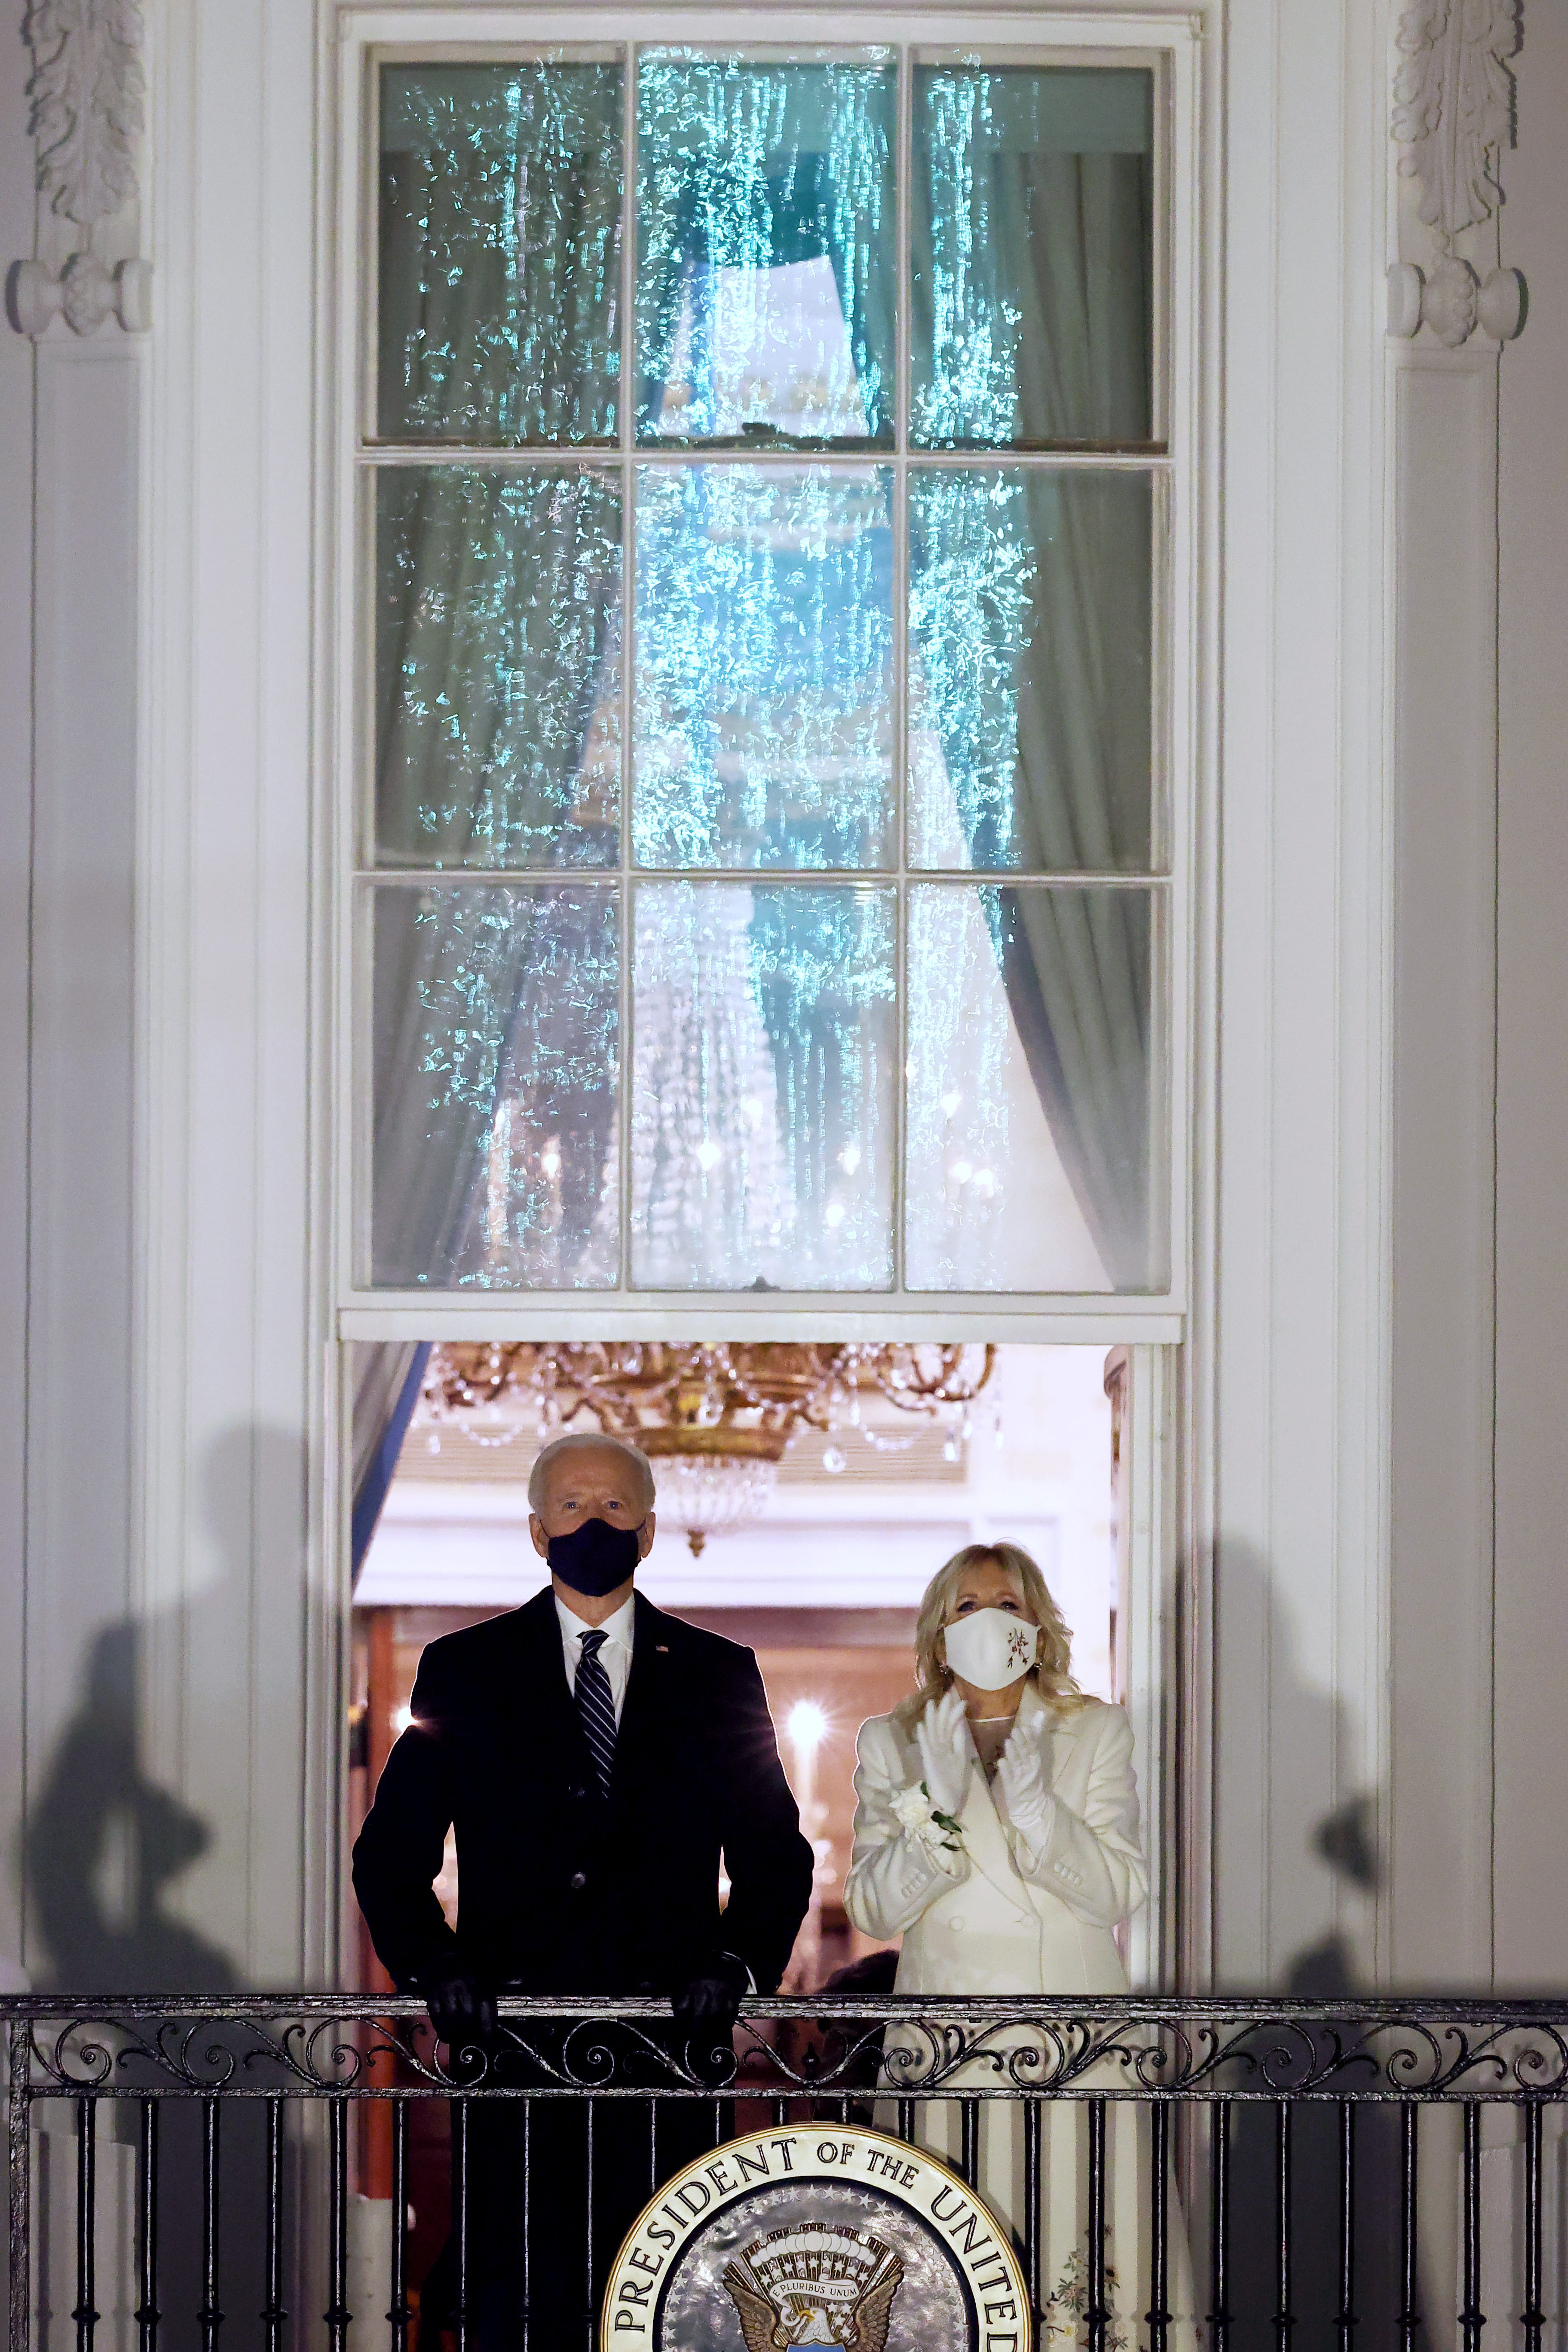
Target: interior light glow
709,1154
402,1717
961,1172
807,1726
850,1159
833,1213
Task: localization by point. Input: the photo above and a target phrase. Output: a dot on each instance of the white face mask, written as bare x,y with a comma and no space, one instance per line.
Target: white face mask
990,1648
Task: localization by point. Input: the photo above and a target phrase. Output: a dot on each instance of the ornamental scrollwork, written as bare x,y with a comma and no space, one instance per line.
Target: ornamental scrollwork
799,2050
87,97
1453,115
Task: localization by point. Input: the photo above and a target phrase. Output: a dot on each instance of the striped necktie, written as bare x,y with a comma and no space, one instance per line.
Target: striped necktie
595,1707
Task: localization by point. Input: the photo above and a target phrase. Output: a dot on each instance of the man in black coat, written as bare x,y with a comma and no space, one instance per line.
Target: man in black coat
597,1760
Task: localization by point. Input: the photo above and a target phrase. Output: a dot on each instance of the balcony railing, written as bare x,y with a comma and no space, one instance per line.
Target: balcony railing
1330,2156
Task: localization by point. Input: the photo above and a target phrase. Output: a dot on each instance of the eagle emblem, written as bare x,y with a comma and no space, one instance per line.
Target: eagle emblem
815,2286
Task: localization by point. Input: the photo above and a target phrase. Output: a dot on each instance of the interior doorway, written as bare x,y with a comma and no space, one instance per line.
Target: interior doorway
822,1581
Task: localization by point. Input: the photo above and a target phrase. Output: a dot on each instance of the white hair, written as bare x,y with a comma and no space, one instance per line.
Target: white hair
602,1441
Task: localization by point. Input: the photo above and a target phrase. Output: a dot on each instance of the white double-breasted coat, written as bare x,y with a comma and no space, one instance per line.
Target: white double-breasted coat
1011,1916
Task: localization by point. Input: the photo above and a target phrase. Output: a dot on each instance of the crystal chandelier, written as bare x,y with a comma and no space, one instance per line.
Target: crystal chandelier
715,1418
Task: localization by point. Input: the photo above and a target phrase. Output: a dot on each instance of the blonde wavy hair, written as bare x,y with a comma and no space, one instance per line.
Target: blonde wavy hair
1051,1673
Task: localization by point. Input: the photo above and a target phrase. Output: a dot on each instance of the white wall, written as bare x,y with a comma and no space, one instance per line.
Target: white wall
229,1369
1477,1753
1287,1403
1531,1757
70,416
1393,1108
17,206
154,1560
173,1301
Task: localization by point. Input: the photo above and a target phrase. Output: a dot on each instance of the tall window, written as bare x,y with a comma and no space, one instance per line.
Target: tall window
764,865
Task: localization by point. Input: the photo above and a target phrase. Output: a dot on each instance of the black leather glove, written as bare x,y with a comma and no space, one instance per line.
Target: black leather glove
462,2010
712,1996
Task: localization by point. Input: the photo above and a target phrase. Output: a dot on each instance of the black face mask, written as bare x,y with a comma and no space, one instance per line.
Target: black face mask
594,1557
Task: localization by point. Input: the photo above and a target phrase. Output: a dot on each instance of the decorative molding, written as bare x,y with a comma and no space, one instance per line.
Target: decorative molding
1452,301
1454,106
84,295
87,91
1453,114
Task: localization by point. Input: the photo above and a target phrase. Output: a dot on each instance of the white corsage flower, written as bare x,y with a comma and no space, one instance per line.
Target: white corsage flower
915,1813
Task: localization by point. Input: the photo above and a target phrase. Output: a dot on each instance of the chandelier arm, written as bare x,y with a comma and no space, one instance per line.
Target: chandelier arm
691,1395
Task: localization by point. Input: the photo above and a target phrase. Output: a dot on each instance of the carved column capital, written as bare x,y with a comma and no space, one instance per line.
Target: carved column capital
86,93
1453,115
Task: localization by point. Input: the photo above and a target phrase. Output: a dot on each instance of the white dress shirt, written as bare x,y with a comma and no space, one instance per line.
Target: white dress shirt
614,1654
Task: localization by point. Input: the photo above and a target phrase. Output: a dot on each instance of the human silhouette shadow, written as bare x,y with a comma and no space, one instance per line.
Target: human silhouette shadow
104,1847
1307,1740
105,1843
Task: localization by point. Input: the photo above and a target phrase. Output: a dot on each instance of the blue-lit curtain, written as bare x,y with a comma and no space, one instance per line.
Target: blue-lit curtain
498,638
389,1376
500,207
1072,231
498,597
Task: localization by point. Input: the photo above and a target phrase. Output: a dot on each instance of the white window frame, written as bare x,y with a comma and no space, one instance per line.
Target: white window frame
1157,1495
371,37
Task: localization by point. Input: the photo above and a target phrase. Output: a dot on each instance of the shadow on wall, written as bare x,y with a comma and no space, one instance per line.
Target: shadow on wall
105,1848
1307,1737
105,1845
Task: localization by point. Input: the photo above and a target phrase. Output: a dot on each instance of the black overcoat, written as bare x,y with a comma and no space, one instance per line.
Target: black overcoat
560,1891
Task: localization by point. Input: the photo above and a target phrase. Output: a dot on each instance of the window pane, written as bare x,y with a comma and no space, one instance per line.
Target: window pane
762,732
1031,266
1030,614
1029,1152
764,1069
496,1073
498,668
766,224
500,269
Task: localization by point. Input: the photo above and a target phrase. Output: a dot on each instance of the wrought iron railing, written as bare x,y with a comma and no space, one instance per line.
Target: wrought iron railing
1298,2123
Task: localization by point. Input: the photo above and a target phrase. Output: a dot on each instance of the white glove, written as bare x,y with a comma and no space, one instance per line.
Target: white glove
941,1737
1021,1773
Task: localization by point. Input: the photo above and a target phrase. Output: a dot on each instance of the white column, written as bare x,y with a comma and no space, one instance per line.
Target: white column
1287,1394
230,1349
1454,119
18,204
1530,1897
1440,1767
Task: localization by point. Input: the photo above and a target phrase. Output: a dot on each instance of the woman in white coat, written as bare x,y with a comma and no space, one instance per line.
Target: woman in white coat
996,1832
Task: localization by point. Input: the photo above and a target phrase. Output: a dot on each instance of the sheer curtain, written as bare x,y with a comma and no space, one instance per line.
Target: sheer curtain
1065,252
1076,963
764,633
498,660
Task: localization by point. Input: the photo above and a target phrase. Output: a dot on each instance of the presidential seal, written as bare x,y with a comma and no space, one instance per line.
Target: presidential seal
812,2234
814,2286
